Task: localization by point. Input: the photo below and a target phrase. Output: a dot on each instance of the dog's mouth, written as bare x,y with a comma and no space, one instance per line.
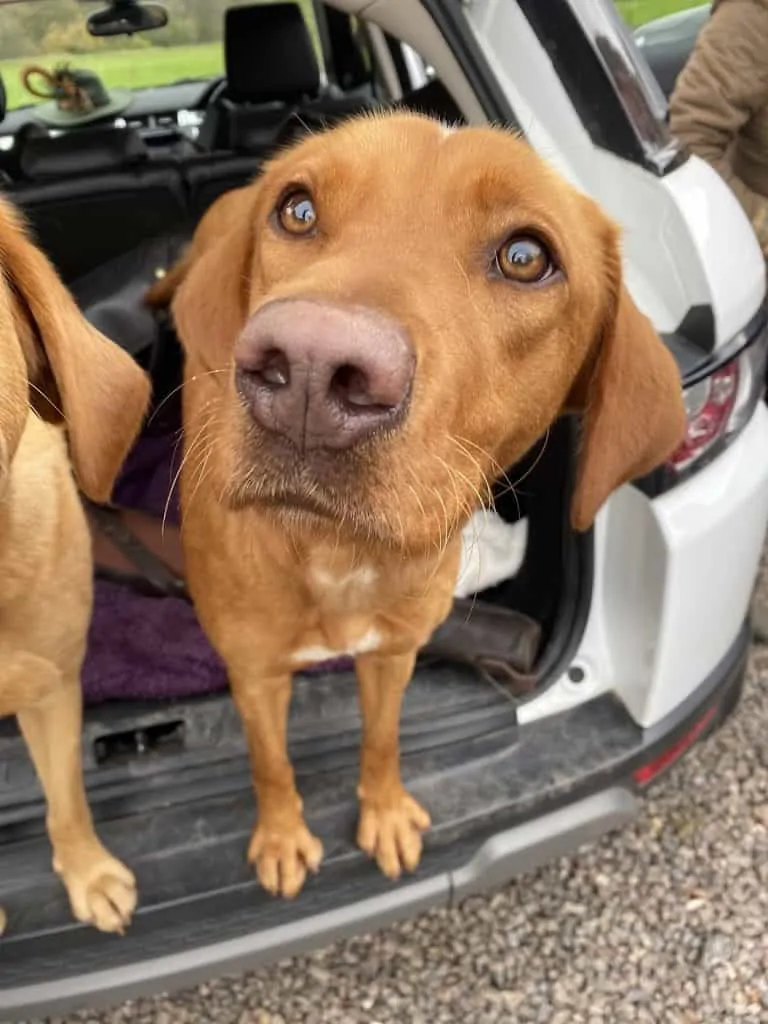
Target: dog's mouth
322,490
279,479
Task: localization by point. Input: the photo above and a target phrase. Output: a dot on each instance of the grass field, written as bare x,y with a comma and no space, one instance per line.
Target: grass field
637,12
134,68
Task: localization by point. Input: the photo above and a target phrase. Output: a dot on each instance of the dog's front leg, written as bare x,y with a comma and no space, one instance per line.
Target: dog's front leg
282,848
391,821
102,891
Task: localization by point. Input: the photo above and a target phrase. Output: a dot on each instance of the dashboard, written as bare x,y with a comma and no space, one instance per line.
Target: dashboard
160,115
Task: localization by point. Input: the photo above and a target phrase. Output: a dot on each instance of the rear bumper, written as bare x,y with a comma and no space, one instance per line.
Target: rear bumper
564,781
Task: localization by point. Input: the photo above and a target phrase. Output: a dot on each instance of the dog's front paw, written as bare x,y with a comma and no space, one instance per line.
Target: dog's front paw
102,891
390,830
282,854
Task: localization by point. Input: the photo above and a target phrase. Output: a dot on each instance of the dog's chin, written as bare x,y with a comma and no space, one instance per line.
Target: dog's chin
295,508
318,513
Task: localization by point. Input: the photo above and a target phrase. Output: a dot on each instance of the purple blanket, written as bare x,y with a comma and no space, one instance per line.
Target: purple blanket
148,475
151,648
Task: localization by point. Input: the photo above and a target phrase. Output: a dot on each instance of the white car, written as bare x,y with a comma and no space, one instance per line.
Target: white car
637,631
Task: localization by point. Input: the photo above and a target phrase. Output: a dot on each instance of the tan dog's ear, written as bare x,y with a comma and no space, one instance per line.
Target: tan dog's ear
75,372
14,401
211,283
630,396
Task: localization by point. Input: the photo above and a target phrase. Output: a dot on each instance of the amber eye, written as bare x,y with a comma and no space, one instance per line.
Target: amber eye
296,213
525,260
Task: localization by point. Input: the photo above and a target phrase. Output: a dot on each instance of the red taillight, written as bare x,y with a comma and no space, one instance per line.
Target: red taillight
710,405
719,405
648,772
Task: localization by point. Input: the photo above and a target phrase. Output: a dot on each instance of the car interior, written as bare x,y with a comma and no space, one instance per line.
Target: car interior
114,186
112,205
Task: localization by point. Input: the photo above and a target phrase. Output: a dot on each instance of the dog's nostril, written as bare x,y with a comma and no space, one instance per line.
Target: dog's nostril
352,385
274,369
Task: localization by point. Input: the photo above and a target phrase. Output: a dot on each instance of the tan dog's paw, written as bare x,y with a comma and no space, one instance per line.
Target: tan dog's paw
282,856
102,891
391,831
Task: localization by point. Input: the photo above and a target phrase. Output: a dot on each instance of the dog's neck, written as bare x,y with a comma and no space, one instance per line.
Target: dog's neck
346,548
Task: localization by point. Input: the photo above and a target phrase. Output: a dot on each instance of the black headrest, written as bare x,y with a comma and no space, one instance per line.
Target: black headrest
269,54
3,99
82,151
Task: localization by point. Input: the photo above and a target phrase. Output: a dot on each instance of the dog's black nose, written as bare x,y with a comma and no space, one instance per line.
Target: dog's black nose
324,376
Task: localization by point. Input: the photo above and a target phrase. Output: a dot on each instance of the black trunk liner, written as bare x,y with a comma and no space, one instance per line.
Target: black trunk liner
188,803
189,843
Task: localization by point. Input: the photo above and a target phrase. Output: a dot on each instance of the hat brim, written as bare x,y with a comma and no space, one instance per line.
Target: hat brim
49,113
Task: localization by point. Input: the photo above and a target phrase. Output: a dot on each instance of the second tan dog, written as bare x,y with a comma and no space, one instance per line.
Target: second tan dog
388,317
53,361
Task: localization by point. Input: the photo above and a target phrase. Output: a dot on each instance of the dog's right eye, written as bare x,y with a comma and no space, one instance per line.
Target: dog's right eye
525,259
296,213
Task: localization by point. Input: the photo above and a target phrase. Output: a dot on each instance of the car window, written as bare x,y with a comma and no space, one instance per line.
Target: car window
49,32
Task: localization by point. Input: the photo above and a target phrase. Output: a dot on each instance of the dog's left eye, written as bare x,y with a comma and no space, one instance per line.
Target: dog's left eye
296,213
525,259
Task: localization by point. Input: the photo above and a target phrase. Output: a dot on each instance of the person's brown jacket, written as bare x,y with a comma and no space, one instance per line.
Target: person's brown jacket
719,107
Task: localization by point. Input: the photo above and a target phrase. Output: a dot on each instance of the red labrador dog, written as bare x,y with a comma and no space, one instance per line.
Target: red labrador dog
387,317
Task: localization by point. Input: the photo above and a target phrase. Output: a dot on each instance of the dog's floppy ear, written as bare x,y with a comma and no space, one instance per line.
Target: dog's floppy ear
14,403
75,373
211,283
630,397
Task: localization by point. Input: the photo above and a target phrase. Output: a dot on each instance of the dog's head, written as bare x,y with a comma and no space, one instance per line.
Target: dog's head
393,313
54,362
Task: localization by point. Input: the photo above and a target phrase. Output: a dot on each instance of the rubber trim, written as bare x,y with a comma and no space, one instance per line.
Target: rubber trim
576,601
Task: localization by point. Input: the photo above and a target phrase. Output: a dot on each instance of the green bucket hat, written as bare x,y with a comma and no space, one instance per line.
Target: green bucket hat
75,96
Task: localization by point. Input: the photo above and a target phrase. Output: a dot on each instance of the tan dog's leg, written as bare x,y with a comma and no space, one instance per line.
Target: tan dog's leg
282,847
102,891
391,821
25,679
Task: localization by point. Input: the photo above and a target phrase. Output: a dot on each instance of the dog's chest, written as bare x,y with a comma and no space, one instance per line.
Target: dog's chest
342,612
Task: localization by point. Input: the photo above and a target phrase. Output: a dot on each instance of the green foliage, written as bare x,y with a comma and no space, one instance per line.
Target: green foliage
638,12
135,69
71,38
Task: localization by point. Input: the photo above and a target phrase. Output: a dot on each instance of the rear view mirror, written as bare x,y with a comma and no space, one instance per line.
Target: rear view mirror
124,17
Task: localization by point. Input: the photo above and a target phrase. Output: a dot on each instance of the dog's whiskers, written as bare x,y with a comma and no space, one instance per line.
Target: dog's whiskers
524,476
175,391
52,404
499,471
189,451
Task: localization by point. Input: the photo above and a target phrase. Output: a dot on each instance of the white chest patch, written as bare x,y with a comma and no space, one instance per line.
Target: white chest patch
312,655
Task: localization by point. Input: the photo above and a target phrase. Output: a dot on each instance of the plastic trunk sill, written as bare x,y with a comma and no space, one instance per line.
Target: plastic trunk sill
500,858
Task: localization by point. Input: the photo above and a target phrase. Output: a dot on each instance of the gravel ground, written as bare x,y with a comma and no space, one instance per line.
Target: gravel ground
663,923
